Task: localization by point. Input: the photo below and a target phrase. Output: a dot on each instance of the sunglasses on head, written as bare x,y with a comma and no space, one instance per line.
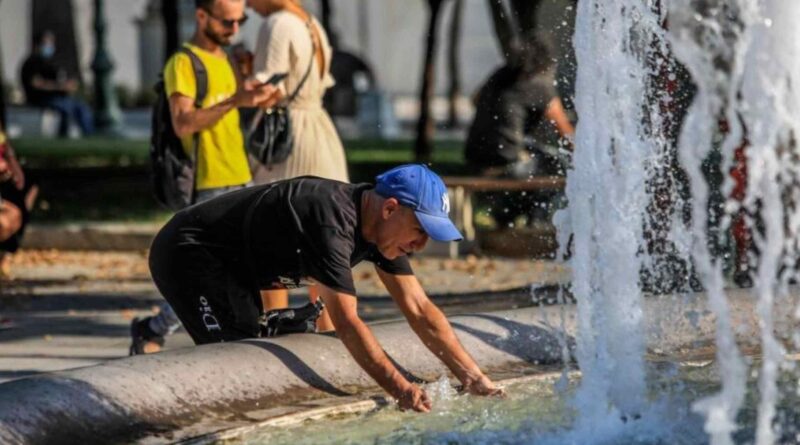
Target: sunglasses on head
228,23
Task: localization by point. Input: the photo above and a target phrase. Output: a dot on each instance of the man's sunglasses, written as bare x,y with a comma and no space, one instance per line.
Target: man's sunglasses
226,22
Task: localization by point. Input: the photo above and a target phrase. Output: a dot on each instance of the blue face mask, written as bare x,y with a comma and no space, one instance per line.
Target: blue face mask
47,50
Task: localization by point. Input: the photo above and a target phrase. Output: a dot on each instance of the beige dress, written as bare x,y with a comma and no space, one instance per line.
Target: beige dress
285,45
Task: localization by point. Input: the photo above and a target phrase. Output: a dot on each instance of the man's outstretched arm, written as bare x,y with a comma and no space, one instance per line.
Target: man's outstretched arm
187,119
364,348
435,331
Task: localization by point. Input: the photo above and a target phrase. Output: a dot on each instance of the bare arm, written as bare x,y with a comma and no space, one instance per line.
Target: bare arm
359,340
557,116
67,86
17,174
187,119
432,327
502,27
12,164
10,220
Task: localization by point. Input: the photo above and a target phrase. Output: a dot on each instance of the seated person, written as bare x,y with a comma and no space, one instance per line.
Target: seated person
515,99
47,85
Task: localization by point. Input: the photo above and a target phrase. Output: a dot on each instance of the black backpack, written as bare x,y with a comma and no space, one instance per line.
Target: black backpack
174,173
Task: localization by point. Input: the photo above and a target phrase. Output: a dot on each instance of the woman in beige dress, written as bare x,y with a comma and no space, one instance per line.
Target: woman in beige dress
289,39
286,40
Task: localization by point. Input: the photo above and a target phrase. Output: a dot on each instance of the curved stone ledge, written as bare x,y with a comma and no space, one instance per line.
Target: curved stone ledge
188,392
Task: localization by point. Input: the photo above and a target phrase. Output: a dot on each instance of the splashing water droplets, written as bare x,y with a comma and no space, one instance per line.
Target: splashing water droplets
743,56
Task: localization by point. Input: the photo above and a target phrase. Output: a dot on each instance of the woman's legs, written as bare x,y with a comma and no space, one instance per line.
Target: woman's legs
274,299
324,323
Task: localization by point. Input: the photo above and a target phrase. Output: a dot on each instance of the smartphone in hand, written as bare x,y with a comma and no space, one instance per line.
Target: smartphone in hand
275,79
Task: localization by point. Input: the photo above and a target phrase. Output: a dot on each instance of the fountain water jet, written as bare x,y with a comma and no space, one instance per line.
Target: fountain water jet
709,39
615,43
744,59
770,96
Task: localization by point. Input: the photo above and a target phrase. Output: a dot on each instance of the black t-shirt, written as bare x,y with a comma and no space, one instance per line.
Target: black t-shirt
36,65
300,231
507,108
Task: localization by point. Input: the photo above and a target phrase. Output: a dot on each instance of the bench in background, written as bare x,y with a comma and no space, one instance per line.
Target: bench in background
27,121
462,188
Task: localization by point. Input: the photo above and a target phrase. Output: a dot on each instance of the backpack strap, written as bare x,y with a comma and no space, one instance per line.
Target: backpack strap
201,89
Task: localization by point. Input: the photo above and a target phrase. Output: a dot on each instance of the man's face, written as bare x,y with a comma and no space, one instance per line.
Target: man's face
399,232
221,23
47,46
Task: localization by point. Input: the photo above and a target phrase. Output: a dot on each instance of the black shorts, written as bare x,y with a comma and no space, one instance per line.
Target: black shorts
213,303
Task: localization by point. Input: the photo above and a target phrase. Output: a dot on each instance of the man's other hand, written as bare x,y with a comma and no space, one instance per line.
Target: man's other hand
70,86
260,96
414,397
483,387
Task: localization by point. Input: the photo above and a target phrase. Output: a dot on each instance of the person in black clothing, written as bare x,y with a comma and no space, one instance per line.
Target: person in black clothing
515,99
211,260
47,85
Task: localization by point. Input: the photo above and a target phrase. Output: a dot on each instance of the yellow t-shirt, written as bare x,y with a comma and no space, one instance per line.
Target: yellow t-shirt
223,161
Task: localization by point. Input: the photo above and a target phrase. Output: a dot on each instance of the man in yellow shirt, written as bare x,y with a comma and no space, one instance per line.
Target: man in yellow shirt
222,162
221,165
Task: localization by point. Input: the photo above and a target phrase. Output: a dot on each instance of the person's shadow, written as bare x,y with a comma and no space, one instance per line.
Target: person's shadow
308,375
298,367
533,344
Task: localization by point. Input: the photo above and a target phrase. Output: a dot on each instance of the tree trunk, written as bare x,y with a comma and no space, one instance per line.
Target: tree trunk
503,27
170,16
423,146
524,13
327,16
515,27
363,28
453,63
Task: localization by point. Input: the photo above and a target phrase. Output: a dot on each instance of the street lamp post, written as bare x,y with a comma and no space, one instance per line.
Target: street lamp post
107,114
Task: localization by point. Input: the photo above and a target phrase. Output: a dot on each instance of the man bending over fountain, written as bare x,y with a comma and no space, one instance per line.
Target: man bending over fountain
211,260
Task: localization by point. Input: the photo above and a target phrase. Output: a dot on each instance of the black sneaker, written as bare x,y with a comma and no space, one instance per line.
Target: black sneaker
141,334
291,320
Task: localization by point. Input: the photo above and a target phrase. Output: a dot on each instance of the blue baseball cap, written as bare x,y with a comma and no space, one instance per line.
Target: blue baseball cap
417,187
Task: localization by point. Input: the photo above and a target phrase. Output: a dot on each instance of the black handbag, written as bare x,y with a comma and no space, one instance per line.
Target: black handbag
270,138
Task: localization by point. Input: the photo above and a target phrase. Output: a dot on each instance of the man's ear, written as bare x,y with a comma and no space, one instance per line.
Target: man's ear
390,205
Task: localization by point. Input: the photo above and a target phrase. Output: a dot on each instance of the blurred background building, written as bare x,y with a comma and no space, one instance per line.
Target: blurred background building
385,37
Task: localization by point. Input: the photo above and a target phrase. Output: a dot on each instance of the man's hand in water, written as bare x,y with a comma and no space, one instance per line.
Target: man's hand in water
414,397
482,386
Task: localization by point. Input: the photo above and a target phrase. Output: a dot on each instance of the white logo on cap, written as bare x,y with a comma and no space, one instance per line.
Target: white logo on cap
445,203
